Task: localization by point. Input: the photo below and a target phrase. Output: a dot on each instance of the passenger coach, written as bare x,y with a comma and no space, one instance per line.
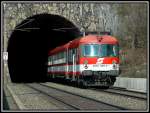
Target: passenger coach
91,61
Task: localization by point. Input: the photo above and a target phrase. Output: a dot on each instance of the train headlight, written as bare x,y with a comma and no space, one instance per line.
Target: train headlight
114,64
85,64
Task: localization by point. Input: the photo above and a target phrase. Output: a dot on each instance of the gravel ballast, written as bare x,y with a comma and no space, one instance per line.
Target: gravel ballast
130,103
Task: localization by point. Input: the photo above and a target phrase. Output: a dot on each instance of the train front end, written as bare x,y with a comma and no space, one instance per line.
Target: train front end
99,61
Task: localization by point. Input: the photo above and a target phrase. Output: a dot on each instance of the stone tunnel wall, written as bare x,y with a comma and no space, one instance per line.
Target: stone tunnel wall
86,16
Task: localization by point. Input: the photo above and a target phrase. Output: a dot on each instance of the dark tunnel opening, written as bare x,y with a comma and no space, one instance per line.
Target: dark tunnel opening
30,42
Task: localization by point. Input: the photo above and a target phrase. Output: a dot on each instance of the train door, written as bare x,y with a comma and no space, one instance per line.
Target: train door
67,66
71,64
74,63
74,66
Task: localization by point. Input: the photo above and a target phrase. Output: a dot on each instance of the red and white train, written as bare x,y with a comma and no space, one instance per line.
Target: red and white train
90,60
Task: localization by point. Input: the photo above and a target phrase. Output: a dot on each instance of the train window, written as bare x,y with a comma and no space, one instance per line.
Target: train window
49,59
91,50
70,56
109,50
103,50
52,58
55,57
77,54
59,55
65,56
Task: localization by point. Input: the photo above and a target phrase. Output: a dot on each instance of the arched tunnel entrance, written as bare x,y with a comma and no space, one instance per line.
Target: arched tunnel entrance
30,42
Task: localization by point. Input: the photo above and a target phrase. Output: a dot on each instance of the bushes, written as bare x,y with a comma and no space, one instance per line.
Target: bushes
133,62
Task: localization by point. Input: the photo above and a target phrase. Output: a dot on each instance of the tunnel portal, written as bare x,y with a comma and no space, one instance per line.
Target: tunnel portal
30,42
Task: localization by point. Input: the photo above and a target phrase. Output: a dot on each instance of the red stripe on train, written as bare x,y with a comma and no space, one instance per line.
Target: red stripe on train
94,60
63,72
105,60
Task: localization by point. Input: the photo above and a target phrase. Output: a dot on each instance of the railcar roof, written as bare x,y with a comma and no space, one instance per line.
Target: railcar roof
98,39
105,39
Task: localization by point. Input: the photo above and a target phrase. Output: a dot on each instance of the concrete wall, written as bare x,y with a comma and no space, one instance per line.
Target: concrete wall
137,84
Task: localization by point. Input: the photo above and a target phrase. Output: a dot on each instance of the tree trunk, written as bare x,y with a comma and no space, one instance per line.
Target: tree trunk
134,42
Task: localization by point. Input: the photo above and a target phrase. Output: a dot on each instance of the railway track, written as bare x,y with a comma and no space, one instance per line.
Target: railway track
124,92
73,101
120,91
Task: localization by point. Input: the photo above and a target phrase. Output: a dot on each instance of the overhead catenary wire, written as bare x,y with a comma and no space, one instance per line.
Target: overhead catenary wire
30,20
56,29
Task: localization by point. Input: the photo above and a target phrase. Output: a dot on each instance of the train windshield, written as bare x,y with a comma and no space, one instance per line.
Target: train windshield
90,50
103,50
108,50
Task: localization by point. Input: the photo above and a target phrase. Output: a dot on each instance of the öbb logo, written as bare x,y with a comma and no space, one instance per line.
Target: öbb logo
100,60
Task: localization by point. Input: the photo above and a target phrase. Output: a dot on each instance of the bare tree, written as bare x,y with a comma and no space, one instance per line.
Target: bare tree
133,22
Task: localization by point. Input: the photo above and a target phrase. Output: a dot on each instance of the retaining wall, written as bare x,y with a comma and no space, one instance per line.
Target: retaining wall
137,84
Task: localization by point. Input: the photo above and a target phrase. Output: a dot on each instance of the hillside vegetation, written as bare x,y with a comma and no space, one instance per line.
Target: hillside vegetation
133,40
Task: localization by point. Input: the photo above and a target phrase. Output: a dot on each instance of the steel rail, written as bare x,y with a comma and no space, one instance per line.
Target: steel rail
115,106
75,108
123,92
